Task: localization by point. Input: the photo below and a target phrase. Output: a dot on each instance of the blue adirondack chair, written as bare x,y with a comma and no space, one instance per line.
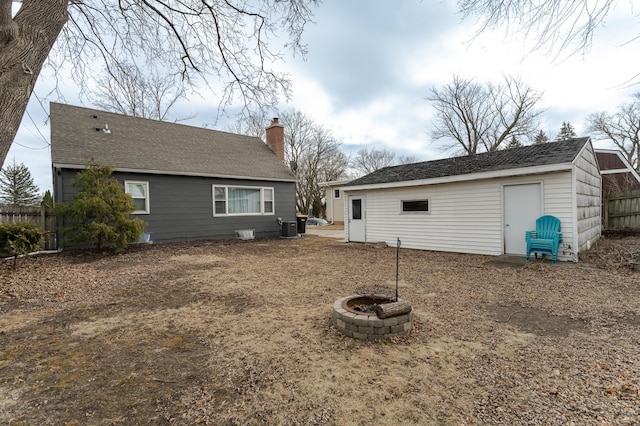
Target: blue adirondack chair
546,238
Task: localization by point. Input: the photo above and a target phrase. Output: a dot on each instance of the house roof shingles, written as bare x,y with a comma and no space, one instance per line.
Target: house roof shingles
527,156
145,145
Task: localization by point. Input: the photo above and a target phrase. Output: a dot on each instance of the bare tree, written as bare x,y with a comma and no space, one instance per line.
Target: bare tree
407,159
252,124
316,157
619,183
128,91
369,160
563,24
621,127
311,151
475,117
228,44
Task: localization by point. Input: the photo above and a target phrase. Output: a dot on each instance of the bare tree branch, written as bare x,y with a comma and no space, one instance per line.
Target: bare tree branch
563,25
310,147
127,91
227,46
317,155
369,160
622,128
473,117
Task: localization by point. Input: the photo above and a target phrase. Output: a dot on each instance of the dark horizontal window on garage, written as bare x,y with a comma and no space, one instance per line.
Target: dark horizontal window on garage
415,206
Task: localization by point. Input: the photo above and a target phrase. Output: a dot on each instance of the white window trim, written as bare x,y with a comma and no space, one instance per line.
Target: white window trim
339,193
146,190
428,211
262,201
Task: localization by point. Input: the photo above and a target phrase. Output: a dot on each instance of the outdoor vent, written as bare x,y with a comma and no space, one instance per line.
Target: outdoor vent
145,238
104,129
245,234
94,116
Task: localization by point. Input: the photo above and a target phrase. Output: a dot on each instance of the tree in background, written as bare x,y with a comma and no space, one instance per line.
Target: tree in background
98,216
369,160
126,90
566,132
475,118
252,124
47,199
556,23
16,186
315,157
540,137
408,159
227,46
621,127
514,143
310,150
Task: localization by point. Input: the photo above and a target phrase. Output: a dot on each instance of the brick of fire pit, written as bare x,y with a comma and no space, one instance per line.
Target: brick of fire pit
366,325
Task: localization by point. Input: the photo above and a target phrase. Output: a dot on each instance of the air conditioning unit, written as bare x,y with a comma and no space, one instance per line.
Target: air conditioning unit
289,229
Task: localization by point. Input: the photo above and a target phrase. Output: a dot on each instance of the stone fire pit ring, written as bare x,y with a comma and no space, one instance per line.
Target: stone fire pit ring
367,325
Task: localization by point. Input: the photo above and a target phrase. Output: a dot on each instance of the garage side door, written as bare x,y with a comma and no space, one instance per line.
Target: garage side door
522,206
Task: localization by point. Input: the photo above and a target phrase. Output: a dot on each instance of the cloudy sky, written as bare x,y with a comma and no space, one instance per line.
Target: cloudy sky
371,63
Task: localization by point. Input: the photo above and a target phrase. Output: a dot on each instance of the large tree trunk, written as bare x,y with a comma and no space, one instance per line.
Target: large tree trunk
25,42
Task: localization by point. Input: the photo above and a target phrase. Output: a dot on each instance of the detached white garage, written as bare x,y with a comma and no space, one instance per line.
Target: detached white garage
483,203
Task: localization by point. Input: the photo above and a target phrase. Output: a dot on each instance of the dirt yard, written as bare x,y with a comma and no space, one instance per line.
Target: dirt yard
239,332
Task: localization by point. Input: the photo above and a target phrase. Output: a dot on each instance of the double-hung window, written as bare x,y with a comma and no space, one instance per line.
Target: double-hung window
242,200
139,191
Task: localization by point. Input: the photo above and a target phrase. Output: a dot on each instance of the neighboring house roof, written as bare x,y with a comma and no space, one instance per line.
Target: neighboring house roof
142,145
334,183
618,175
539,155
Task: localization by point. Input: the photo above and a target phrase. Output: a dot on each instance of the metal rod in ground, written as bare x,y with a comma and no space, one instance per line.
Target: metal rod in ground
397,263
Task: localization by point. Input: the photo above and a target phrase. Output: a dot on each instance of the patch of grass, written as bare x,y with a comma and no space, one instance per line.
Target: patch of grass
179,342
67,381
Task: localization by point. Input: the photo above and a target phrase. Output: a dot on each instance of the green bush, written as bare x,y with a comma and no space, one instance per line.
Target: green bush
19,238
99,215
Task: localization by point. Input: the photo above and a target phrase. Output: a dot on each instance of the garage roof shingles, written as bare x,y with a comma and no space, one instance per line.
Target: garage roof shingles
146,145
512,158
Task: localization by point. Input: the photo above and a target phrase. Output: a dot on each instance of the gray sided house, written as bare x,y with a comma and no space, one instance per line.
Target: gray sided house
187,182
483,203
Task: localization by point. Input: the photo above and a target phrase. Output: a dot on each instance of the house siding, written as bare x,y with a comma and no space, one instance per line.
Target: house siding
588,199
181,207
464,217
335,206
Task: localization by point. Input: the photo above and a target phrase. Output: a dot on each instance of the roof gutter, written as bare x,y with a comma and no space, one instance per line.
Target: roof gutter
173,173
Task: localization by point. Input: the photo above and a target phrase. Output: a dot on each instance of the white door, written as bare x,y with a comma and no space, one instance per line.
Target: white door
356,219
522,206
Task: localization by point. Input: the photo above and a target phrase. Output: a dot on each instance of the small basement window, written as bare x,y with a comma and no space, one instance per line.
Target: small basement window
415,206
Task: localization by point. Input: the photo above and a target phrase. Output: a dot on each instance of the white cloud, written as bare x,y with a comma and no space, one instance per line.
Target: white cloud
368,72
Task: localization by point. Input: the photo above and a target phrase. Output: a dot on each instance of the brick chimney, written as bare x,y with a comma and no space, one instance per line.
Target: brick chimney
275,138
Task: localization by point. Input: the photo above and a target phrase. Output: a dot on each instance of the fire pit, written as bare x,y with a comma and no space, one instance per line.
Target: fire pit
355,316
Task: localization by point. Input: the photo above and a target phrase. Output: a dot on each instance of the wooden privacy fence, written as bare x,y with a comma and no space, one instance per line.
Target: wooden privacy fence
39,215
622,211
